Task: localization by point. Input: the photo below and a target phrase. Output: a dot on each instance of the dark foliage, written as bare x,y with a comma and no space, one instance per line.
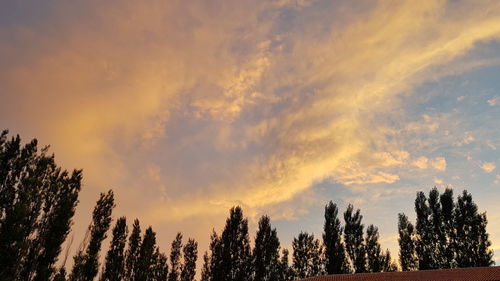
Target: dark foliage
190,252
307,256
114,268
37,203
335,255
353,235
266,252
132,255
86,262
175,258
408,258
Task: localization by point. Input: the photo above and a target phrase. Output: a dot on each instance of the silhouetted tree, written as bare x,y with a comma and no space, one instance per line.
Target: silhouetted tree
438,234
472,239
190,252
213,270
235,248
335,255
375,259
307,256
353,236
266,252
175,259
133,250
285,271
114,268
160,268
424,229
408,258
144,270
387,264
206,273
86,262
37,203
447,239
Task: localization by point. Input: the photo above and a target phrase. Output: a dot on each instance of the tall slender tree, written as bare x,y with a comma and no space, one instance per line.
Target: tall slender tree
235,248
353,236
114,267
387,264
144,270
335,255
425,241
86,262
447,239
213,269
375,258
472,239
133,250
190,252
408,258
37,203
175,258
160,267
206,273
266,252
307,256
437,230
285,271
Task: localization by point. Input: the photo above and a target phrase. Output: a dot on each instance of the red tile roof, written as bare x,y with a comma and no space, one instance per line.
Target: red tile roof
456,274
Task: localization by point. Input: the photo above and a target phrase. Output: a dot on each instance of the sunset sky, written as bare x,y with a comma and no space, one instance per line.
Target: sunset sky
186,108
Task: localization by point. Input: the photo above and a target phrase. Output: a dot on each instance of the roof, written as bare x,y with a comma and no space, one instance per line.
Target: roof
456,274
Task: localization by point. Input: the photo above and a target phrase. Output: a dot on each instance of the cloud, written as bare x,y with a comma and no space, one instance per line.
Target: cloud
439,163
421,162
251,103
488,167
494,101
466,140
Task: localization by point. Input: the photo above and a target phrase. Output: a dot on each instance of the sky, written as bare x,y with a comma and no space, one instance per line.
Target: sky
186,108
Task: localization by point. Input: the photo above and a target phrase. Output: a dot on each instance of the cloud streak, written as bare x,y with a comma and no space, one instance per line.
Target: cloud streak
248,103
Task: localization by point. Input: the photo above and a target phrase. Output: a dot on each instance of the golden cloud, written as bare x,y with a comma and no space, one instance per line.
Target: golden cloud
227,105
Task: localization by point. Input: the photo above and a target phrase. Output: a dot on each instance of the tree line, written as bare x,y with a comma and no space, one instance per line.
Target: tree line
38,201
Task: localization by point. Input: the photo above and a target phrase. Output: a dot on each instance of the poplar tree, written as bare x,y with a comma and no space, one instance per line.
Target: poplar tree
472,239
175,258
335,255
307,256
375,259
114,268
37,203
408,258
132,254
438,234
387,264
147,259
285,271
266,252
353,236
213,268
425,241
235,248
206,269
86,262
448,238
160,267
190,252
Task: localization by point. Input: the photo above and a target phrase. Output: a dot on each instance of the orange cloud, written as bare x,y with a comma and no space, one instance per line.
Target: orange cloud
229,104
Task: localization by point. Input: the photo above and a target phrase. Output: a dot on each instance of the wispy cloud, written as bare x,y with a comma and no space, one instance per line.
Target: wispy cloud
247,102
488,167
